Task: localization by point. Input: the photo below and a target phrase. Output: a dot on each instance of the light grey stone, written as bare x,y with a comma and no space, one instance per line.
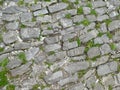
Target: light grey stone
61,14
76,51
67,45
90,35
108,80
12,26
101,10
66,22
105,49
8,17
79,58
114,25
3,56
57,7
74,67
10,37
93,52
60,55
40,57
68,36
86,10
97,4
98,86
102,39
90,81
21,70
29,24
98,40
29,33
67,31
91,18
100,61
30,54
40,12
26,17
103,27
35,7
78,86
44,19
67,80
47,32
102,18
21,45
10,10
113,14
14,63
78,18
52,47
54,77
51,40
107,68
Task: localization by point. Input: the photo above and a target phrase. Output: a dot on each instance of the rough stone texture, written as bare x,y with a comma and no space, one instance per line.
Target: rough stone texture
114,25
29,33
40,12
52,47
105,49
57,7
54,77
10,37
93,52
76,51
66,22
107,68
21,70
12,26
60,44
74,67
70,79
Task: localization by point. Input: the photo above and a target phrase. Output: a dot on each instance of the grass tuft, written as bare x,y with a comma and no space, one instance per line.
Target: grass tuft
80,10
68,16
22,57
112,46
10,87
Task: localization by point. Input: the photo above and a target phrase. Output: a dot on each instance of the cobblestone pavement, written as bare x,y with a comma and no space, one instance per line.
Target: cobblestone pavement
59,44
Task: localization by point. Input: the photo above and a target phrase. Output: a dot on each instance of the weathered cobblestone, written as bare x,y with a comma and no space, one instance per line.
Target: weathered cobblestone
59,44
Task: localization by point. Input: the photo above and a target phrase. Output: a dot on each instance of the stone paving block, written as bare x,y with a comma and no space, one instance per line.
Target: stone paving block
74,67
57,7
76,51
29,33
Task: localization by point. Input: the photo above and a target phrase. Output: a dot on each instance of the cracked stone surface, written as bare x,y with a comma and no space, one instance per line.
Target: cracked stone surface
59,44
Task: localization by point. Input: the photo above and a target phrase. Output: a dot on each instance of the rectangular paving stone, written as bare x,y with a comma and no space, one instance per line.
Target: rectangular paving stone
21,70
51,40
66,22
93,52
29,33
76,51
90,35
54,77
115,24
107,68
67,45
35,7
68,36
52,47
40,12
99,3
67,80
10,37
57,7
74,67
